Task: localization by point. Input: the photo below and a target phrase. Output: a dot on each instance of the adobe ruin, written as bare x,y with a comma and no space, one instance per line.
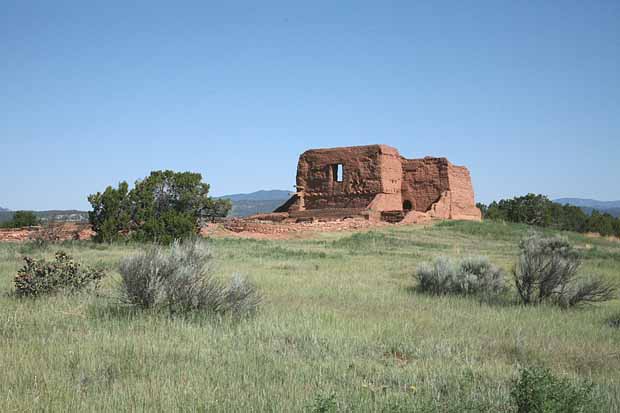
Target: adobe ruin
376,182
373,184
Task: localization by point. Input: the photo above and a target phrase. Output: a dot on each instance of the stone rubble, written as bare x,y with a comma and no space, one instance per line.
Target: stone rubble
54,232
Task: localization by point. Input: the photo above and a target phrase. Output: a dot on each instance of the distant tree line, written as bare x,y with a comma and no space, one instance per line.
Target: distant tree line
164,206
539,210
21,219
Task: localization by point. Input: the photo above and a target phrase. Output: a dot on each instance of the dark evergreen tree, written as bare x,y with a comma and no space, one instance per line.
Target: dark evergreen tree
164,206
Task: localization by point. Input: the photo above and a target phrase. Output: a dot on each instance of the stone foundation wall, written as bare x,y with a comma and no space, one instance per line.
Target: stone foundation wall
54,232
462,201
424,180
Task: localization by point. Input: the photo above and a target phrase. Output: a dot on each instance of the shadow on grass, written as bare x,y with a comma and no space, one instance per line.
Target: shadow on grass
113,311
614,321
120,312
504,299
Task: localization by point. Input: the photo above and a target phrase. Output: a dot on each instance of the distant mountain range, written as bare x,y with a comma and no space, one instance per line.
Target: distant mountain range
262,195
53,215
256,202
242,205
589,205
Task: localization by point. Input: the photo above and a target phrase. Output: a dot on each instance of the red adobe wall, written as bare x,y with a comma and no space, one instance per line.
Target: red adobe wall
424,180
368,171
435,185
377,179
462,201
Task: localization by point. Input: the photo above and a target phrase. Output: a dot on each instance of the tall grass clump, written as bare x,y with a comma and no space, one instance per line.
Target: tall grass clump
180,279
547,271
469,276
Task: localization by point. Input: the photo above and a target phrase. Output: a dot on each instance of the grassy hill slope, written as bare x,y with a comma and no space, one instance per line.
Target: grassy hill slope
341,324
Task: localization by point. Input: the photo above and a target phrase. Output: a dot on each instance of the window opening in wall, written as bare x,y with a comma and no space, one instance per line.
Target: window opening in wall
338,172
407,205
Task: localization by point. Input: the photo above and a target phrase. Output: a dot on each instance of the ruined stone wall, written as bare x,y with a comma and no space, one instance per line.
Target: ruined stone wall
424,180
462,201
367,171
55,232
378,182
391,167
436,186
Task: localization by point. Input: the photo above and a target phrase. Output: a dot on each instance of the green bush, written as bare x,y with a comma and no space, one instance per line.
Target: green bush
538,391
164,206
39,277
324,403
547,271
111,214
179,278
472,275
169,226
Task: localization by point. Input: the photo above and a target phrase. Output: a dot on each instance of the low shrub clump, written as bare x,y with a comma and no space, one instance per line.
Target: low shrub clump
179,278
538,391
39,277
473,275
324,403
547,271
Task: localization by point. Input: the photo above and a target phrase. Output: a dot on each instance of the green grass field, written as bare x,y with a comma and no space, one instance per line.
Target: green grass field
341,325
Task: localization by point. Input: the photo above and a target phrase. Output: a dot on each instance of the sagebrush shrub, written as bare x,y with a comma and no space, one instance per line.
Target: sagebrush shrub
437,277
39,277
538,391
180,279
479,275
547,271
472,275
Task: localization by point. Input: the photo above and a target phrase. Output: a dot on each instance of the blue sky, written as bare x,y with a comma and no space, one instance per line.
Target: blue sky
526,94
